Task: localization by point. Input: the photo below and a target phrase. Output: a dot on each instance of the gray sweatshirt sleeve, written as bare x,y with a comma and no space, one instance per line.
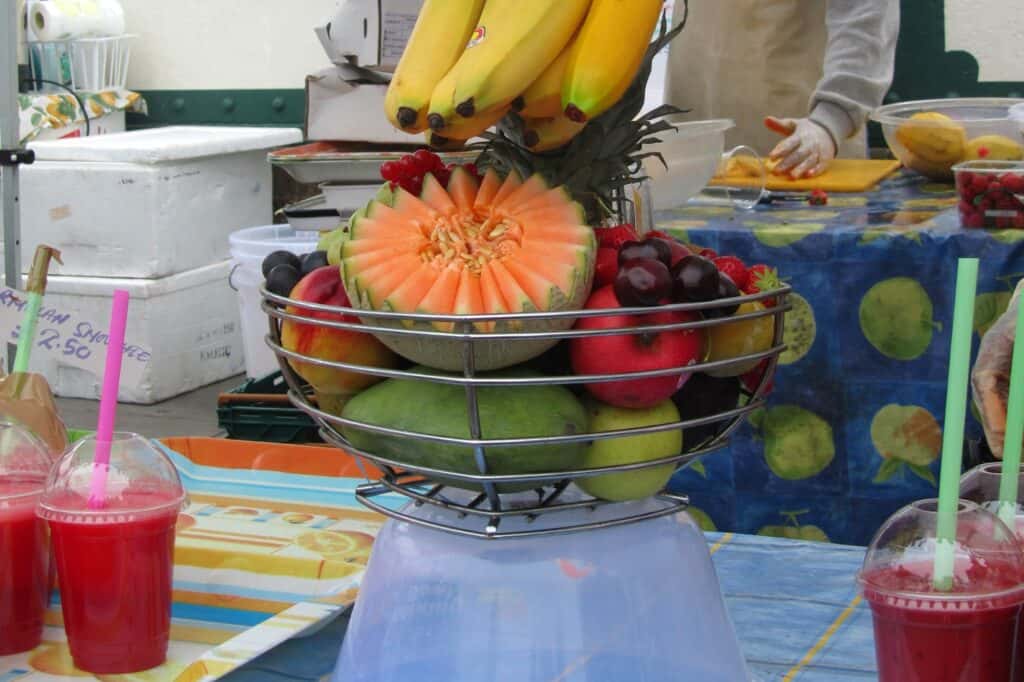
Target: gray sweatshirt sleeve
858,63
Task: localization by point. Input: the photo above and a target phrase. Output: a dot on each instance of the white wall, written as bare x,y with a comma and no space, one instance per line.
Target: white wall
240,44
229,44
992,31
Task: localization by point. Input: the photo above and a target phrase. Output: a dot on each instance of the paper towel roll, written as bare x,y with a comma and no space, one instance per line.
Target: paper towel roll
70,19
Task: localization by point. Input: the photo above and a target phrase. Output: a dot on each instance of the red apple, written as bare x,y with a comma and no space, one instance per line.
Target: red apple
634,353
333,386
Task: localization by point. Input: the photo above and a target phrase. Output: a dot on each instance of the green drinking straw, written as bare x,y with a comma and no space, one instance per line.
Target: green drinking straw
953,427
35,289
1014,430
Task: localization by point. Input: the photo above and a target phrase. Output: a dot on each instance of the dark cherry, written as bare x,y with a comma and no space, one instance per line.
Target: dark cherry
726,289
652,249
642,281
694,279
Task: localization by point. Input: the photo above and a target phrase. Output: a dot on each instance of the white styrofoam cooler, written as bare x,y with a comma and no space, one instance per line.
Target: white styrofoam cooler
189,323
148,203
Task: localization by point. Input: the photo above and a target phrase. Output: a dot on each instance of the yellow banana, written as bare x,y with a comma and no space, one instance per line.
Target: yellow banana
514,43
443,144
607,55
544,134
437,41
543,99
465,128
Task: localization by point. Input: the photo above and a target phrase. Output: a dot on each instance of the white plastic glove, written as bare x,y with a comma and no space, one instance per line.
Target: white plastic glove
806,151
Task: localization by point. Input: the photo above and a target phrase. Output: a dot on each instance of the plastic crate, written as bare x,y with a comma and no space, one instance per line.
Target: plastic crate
267,416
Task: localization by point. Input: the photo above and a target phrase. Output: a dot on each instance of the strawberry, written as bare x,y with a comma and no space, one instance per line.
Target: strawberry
614,237
710,254
751,379
606,266
762,278
819,197
734,268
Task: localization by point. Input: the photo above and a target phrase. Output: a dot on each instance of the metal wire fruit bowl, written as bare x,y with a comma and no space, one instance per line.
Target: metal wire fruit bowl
479,497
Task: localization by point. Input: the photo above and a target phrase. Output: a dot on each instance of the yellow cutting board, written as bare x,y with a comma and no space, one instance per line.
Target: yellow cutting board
843,175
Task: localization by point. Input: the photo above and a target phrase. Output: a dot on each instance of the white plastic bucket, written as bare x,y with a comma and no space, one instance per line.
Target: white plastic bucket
248,249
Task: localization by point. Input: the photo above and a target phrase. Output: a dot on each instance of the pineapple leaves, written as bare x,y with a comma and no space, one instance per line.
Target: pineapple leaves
608,153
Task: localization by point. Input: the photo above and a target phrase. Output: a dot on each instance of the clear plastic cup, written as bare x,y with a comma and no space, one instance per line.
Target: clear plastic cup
115,563
738,161
981,485
24,549
922,634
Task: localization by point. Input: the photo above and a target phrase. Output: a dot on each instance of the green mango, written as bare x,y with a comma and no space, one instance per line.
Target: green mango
442,410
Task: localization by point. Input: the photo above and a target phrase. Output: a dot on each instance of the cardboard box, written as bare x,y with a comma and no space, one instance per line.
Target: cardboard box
369,33
339,110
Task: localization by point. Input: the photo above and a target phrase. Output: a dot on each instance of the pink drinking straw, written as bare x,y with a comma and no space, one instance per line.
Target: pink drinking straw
108,400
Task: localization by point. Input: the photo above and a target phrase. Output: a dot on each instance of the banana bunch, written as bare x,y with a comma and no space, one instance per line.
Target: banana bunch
557,64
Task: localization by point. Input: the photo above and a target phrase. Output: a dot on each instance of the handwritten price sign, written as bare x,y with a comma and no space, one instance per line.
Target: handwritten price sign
70,338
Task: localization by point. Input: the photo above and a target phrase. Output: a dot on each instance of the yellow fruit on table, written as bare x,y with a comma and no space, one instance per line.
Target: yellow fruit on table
993,148
934,142
742,337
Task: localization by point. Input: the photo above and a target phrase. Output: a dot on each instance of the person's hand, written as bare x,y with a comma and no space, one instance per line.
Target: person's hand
807,149
990,377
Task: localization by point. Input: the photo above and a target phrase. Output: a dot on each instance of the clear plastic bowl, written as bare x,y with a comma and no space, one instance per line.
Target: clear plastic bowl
991,193
692,153
932,145
638,602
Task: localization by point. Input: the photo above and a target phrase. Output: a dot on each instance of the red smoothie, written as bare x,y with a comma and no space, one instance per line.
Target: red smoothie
925,636
115,578
24,566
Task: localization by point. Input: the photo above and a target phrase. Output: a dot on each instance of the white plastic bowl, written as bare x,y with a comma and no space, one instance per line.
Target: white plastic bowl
933,147
692,152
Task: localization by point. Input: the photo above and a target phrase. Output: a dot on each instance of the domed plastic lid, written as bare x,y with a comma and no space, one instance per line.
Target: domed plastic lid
899,566
25,463
981,486
141,481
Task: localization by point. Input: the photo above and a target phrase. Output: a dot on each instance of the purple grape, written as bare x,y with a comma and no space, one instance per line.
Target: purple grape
280,258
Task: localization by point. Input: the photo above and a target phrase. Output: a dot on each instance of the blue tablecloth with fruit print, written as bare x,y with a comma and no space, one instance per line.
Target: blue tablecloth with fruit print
852,430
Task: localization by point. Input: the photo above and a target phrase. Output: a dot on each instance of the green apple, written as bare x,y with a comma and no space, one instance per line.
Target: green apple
631,485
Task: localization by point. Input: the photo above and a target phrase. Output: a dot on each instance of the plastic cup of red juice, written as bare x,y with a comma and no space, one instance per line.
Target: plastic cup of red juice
924,634
981,485
24,549
115,563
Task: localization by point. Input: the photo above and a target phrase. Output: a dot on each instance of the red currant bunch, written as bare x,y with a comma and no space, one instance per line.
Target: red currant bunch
408,172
